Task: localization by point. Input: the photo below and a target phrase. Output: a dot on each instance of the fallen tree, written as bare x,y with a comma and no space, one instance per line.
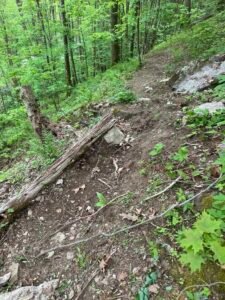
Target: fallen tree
20,201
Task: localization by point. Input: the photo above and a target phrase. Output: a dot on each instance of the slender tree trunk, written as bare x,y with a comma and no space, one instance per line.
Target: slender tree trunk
66,44
41,20
114,23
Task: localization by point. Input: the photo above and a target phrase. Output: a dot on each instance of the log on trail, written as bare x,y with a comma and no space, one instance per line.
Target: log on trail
20,201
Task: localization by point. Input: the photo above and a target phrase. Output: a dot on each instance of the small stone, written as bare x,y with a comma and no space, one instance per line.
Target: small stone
59,181
59,210
115,136
14,269
50,254
58,238
71,294
70,255
29,213
4,279
41,218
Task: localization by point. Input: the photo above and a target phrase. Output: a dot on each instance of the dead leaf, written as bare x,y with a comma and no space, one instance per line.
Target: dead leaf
122,276
129,217
215,171
105,261
154,288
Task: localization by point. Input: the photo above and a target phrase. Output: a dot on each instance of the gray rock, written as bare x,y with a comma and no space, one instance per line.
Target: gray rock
58,238
4,279
114,136
211,107
200,80
14,269
70,255
45,291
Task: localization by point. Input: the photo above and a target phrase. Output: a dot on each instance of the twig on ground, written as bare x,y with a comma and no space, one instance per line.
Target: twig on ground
200,286
87,284
163,191
127,228
105,183
84,217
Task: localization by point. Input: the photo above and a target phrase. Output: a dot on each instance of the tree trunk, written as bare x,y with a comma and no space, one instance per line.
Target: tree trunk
38,121
66,44
20,201
114,23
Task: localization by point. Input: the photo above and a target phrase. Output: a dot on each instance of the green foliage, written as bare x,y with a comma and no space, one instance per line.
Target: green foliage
143,293
219,90
157,149
101,200
181,155
201,242
200,295
124,96
198,42
81,258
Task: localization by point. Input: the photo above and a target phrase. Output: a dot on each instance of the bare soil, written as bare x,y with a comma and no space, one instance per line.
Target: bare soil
147,122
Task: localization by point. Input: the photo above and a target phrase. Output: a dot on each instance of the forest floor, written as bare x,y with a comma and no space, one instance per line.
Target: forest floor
116,266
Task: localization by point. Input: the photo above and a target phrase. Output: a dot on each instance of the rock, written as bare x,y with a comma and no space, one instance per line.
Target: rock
44,291
204,78
71,294
59,181
70,255
29,213
58,238
114,136
211,107
50,254
14,269
4,279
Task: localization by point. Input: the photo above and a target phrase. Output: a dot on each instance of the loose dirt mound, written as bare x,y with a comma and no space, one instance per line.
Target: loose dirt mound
109,267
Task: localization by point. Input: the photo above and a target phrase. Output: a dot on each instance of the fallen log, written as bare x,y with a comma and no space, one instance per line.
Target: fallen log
20,201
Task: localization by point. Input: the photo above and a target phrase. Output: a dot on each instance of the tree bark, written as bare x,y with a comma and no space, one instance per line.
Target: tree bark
114,23
38,121
70,156
66,44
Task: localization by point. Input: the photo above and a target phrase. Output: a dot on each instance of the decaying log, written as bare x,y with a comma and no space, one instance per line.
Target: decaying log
38,121
73,153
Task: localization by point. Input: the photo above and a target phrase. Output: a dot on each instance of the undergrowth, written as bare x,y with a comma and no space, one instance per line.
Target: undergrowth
18,140
199,42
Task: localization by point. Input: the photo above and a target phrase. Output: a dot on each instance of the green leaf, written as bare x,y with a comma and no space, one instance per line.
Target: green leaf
102,200
181,155
207,224
218,250
192,239
157,149
193,260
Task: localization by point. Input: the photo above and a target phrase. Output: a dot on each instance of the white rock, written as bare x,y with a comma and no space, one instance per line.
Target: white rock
70,255
71,294
14,269
58,238
50,254
59,181
29,213
42,292
4,279
114,136
211,107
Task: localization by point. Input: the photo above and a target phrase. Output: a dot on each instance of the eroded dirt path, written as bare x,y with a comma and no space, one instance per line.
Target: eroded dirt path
112,171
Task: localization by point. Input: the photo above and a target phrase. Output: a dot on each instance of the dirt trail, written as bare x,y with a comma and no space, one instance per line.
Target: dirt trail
148,122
